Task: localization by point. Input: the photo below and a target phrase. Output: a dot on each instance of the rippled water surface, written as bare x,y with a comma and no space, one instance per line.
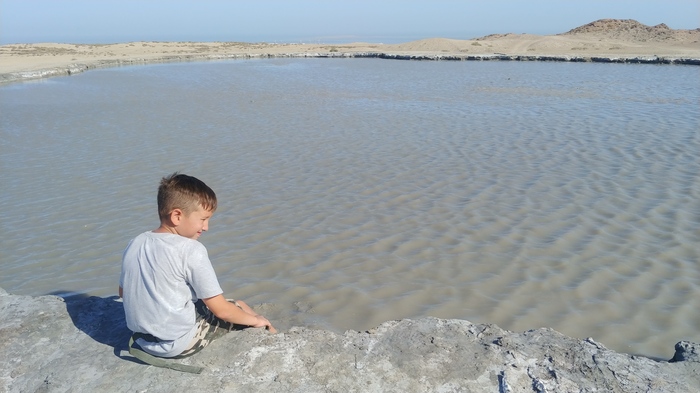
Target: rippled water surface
355,191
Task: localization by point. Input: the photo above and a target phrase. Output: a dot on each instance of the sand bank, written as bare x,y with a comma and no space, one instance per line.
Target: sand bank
604,40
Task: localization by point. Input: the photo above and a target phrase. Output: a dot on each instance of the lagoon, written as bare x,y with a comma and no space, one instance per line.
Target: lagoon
355,191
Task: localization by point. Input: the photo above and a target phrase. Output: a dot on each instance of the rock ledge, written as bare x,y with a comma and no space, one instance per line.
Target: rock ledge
50,344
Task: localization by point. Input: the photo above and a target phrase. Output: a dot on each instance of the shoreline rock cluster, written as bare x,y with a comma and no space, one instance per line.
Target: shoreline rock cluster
573,59
78,344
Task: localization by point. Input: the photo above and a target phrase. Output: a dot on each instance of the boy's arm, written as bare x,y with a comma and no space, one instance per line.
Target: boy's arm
121,291
229,312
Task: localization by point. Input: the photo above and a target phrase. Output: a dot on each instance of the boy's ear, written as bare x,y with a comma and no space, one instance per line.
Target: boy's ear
175,216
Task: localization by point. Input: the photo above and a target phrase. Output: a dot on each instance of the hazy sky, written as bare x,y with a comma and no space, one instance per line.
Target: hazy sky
109,21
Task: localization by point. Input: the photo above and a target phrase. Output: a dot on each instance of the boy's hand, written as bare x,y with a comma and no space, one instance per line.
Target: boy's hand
237,312
263,322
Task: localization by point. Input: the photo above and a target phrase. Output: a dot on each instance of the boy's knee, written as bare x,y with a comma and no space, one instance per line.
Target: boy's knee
242,303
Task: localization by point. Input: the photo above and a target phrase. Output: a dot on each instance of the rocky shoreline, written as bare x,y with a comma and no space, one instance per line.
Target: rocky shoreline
78,344
76,68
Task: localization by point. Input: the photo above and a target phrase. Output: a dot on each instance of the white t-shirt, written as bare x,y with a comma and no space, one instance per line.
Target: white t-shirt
163,274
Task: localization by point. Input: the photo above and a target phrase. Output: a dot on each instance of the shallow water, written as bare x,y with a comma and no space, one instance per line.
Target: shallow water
354,191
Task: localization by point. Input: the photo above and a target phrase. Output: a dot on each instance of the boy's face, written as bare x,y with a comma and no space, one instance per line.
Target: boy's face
192,225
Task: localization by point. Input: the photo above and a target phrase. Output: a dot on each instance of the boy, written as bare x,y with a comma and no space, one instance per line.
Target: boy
172,298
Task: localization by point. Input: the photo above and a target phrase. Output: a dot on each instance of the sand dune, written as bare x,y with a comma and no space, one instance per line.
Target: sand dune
605,37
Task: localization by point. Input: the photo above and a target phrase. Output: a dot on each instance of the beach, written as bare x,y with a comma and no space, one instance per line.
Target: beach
613,40
494,221
492,180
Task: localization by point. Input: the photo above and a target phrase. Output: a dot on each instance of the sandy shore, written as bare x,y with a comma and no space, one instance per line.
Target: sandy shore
605,39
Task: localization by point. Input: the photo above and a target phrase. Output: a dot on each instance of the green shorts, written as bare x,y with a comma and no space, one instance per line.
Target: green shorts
209,327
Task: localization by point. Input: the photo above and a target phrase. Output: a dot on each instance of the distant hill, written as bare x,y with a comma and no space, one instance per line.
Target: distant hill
604,37
631,30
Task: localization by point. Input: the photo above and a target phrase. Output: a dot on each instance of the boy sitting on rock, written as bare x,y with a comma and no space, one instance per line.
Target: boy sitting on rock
172,299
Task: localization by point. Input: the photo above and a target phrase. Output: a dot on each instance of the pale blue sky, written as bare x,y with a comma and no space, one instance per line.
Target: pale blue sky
388,21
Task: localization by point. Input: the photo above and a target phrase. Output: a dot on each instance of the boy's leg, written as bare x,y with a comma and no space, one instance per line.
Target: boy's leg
209,327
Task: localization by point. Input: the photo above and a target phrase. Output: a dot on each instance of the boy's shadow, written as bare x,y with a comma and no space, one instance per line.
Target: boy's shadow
100,318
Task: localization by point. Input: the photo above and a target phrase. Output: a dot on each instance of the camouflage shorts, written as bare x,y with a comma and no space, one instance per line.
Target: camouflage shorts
209,327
